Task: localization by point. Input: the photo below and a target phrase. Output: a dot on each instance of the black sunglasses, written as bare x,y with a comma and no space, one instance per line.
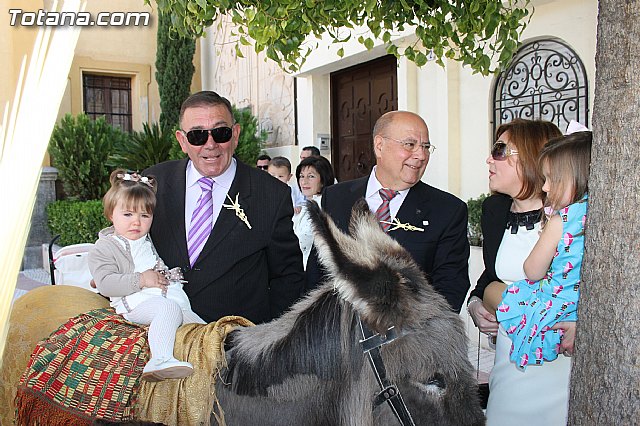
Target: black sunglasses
199,137
500,151
262,167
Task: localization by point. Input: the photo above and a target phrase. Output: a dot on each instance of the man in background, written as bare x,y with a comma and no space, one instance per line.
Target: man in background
262,162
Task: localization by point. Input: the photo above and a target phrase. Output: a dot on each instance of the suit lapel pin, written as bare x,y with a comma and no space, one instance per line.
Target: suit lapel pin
404,226
235,206
425,222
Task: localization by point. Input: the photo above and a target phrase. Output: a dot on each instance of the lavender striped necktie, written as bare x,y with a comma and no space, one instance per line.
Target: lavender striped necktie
201,221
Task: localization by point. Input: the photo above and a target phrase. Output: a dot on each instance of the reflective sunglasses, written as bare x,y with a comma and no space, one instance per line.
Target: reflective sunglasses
413,146
500,151
199,137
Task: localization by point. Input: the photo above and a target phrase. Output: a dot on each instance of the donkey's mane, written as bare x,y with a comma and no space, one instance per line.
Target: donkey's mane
312,341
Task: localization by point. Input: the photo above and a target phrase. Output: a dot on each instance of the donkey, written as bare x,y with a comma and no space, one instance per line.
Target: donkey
308,366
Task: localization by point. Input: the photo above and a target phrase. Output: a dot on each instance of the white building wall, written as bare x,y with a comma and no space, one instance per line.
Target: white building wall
574,22
455,103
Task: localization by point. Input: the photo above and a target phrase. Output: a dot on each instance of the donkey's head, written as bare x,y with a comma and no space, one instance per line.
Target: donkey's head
372,272
309,367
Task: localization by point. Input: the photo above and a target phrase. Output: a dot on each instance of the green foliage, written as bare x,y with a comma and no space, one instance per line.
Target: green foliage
251,138
471,31
174,71
142,149
80,148
175,153
76,221
474,231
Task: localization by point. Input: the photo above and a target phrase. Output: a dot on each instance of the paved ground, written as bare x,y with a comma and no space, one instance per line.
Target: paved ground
482,359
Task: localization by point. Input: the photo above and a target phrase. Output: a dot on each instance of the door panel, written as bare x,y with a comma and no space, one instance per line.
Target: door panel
360,95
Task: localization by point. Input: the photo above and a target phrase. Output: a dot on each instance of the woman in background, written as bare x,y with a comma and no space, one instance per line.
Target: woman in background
313,175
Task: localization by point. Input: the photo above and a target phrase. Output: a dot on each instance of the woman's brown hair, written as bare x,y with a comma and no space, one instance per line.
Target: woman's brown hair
528,137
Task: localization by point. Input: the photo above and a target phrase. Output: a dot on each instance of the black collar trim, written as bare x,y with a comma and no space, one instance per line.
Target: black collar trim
528,219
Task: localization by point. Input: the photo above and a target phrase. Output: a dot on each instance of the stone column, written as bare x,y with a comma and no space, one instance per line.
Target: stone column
39,232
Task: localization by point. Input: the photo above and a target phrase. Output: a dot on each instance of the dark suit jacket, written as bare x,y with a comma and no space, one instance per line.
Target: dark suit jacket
256,273
442,250
495,214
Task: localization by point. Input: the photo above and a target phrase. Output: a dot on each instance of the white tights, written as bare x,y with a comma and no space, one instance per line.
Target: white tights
163,316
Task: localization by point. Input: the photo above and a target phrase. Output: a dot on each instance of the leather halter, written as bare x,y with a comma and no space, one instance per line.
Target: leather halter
389,392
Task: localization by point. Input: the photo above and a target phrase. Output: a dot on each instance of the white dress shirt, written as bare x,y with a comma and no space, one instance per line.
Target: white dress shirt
373,196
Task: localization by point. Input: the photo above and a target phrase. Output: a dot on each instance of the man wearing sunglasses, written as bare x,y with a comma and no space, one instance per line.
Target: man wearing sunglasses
262,162
429,223
226,224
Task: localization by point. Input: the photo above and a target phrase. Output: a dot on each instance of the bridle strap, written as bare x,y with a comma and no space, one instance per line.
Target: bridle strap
389,392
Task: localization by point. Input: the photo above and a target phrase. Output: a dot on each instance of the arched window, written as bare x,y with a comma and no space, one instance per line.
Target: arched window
546,80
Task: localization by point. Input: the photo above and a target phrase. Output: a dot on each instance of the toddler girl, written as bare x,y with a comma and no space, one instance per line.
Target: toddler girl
531,308
128,270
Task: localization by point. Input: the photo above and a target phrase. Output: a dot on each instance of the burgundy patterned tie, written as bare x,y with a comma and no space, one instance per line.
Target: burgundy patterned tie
201,221
383,213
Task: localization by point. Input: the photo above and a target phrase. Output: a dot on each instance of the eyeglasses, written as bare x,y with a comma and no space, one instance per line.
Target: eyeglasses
199,137
411,145
262,167
500,151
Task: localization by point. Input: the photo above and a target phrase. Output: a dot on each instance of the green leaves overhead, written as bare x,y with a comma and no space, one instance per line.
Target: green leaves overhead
482,34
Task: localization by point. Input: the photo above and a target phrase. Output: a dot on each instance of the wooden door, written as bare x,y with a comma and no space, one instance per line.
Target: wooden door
359,96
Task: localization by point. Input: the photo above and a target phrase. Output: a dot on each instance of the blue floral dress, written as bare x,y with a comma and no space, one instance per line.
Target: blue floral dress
530,308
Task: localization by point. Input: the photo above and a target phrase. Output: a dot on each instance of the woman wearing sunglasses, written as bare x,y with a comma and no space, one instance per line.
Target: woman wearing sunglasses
510,226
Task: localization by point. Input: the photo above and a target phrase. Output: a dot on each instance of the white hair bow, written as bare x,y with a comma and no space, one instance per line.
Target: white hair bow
574,126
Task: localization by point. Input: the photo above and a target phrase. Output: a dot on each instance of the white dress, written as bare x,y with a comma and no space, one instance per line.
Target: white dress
304,231
538,395
144,258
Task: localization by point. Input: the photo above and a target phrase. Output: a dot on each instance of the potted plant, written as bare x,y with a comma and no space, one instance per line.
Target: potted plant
474,231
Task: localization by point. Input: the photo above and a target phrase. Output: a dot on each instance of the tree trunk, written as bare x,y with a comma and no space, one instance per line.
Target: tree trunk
605,381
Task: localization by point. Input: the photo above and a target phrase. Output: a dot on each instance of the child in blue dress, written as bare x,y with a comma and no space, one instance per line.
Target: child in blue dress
531,308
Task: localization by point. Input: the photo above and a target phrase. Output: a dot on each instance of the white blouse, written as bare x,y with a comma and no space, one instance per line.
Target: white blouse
513,251
304,231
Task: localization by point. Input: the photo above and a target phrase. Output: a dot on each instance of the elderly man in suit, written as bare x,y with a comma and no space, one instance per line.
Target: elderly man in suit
431,224
226,224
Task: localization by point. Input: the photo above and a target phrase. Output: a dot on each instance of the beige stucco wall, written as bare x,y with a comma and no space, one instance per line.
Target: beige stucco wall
250,82
120,51
16,44
109,50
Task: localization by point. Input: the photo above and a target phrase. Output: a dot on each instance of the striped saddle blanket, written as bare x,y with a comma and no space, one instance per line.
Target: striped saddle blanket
90,368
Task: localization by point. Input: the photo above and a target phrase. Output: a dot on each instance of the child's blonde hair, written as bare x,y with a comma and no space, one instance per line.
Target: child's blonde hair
569,159
138,193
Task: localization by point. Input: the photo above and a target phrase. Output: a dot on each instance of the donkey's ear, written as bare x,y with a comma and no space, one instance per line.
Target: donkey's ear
368,269
330,241
362,218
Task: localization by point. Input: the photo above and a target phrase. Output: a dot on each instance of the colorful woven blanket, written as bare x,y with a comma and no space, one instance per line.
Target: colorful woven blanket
89,368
